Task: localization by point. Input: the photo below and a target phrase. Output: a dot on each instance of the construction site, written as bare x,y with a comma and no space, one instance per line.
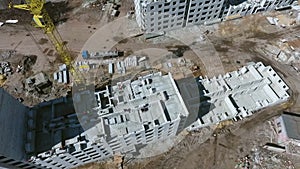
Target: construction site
143,84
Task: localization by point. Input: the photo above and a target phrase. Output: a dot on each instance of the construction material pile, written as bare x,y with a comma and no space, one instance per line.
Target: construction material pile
263,158
5,68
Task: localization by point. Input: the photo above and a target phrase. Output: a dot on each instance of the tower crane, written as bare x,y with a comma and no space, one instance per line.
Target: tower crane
42,20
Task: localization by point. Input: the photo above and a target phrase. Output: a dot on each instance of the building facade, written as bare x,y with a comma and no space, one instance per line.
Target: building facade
163,15
287,127
14,122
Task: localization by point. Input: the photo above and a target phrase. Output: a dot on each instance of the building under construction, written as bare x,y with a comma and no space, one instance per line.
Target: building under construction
128,115
131,113
163,15
235,95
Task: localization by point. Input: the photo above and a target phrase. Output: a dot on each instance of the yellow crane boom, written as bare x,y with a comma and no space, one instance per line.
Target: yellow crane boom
42,20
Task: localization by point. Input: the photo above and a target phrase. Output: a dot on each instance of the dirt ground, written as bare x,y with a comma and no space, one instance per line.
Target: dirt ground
27,40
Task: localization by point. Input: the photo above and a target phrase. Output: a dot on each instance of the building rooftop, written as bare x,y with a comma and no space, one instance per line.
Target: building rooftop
238,93
292,125
138,105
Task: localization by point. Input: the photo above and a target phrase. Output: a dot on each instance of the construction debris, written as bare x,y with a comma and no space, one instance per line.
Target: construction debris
62,76
263,158
272,21
12,21
4,55
38,83
5,68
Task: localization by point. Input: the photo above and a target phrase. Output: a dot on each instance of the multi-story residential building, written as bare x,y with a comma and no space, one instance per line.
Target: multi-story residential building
123,117
234,95
163,15
130,113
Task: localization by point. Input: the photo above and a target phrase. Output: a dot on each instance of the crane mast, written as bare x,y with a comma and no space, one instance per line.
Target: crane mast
42,20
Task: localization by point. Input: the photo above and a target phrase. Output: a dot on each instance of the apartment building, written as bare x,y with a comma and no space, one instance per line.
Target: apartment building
163,15
131,113
235,95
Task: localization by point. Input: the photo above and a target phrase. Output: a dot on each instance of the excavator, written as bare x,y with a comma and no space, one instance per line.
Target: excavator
41,19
